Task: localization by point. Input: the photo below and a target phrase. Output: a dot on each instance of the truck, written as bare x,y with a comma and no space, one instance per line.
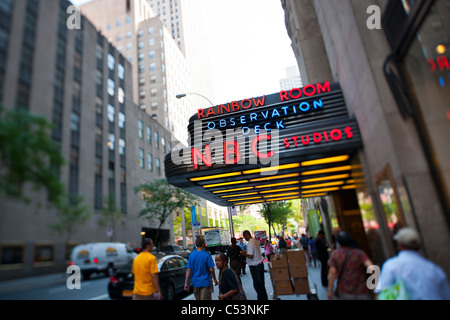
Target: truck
217,239
261,236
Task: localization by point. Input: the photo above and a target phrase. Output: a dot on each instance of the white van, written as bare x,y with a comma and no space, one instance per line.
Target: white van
101,257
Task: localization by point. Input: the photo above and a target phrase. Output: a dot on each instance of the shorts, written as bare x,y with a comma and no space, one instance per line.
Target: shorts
202,293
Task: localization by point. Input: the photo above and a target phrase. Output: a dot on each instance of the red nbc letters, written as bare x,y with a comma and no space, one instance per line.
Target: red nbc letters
231,152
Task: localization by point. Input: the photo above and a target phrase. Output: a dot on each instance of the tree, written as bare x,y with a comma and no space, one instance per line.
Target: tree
276,213
111,215
28,154
71,213
161,199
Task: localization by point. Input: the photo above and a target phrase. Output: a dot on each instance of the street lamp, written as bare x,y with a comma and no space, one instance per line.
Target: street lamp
182,95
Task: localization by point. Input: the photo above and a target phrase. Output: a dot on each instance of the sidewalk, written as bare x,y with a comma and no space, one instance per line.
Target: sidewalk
247,283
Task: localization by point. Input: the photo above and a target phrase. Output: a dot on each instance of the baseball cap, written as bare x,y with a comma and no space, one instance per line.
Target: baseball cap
409,238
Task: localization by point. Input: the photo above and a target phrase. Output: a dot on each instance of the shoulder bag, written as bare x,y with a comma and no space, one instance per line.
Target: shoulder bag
336,292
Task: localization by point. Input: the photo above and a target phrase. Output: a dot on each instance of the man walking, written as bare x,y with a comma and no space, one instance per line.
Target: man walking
201,266
145,271
422,279
243,259
256,265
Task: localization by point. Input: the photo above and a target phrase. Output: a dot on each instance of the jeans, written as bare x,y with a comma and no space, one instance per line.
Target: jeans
258,281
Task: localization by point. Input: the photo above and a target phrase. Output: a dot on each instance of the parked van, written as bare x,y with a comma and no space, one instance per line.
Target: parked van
101,257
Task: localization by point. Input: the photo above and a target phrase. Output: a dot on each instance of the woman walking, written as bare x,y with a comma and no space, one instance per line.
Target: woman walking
348,265
268,249
230,287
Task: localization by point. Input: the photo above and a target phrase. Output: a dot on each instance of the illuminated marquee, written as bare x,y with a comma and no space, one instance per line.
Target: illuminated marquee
242,137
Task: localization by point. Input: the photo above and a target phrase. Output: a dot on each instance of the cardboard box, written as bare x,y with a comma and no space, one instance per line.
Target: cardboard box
301,286
283,288
281,274
296,257
298,270
279,261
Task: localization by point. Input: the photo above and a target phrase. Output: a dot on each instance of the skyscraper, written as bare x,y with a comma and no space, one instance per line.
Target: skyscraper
292,80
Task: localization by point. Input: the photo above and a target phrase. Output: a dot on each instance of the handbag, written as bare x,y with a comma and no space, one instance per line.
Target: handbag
336,292
241,295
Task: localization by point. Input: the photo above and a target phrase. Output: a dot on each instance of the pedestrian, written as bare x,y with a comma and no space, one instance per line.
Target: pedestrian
312,251
348,266
268,249
256,265
243,246
304,241
282,245
145,271
296,243
230,286
421,278
234,254
322,255
288,242
201,266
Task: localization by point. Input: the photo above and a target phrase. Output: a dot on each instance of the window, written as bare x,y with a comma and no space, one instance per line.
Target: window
149,135
44,253
121,95
111,141
111,61
111,113
150,30
149,162
111,87
151,54
140,129
151,42
121,72
152,66
121,120
141,158
141,45
163,142
158,166
129,34
157,140
121,146
11,254
74,122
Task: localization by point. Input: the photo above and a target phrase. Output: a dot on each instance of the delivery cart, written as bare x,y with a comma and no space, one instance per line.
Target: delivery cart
289,276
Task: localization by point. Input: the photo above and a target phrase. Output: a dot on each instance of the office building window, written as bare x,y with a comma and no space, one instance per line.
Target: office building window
149,162
141,158
140,129
149,135
111,87
158,166
157,140
111,141
121,146
111,113
111,61
121,72
121,120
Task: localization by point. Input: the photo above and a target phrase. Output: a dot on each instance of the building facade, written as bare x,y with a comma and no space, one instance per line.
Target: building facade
80,83
392,64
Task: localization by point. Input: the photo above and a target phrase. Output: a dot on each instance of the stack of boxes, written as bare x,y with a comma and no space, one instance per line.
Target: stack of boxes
288,269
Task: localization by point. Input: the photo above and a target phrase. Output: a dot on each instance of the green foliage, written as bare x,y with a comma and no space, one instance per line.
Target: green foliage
161,199
28,154
72,212
276,213
249,222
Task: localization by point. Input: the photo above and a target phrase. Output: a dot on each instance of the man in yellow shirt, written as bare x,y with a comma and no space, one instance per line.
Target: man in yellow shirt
145,270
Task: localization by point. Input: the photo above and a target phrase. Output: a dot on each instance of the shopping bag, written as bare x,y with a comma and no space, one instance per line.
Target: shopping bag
395,292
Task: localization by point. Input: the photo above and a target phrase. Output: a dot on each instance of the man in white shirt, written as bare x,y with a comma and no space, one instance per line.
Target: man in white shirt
423,279
256,265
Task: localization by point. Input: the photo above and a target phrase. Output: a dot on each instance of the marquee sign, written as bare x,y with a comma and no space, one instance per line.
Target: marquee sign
244,142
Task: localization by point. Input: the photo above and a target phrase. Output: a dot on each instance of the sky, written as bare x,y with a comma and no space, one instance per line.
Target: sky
249,47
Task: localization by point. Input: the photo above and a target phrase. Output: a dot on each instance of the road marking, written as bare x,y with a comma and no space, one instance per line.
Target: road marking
102,297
